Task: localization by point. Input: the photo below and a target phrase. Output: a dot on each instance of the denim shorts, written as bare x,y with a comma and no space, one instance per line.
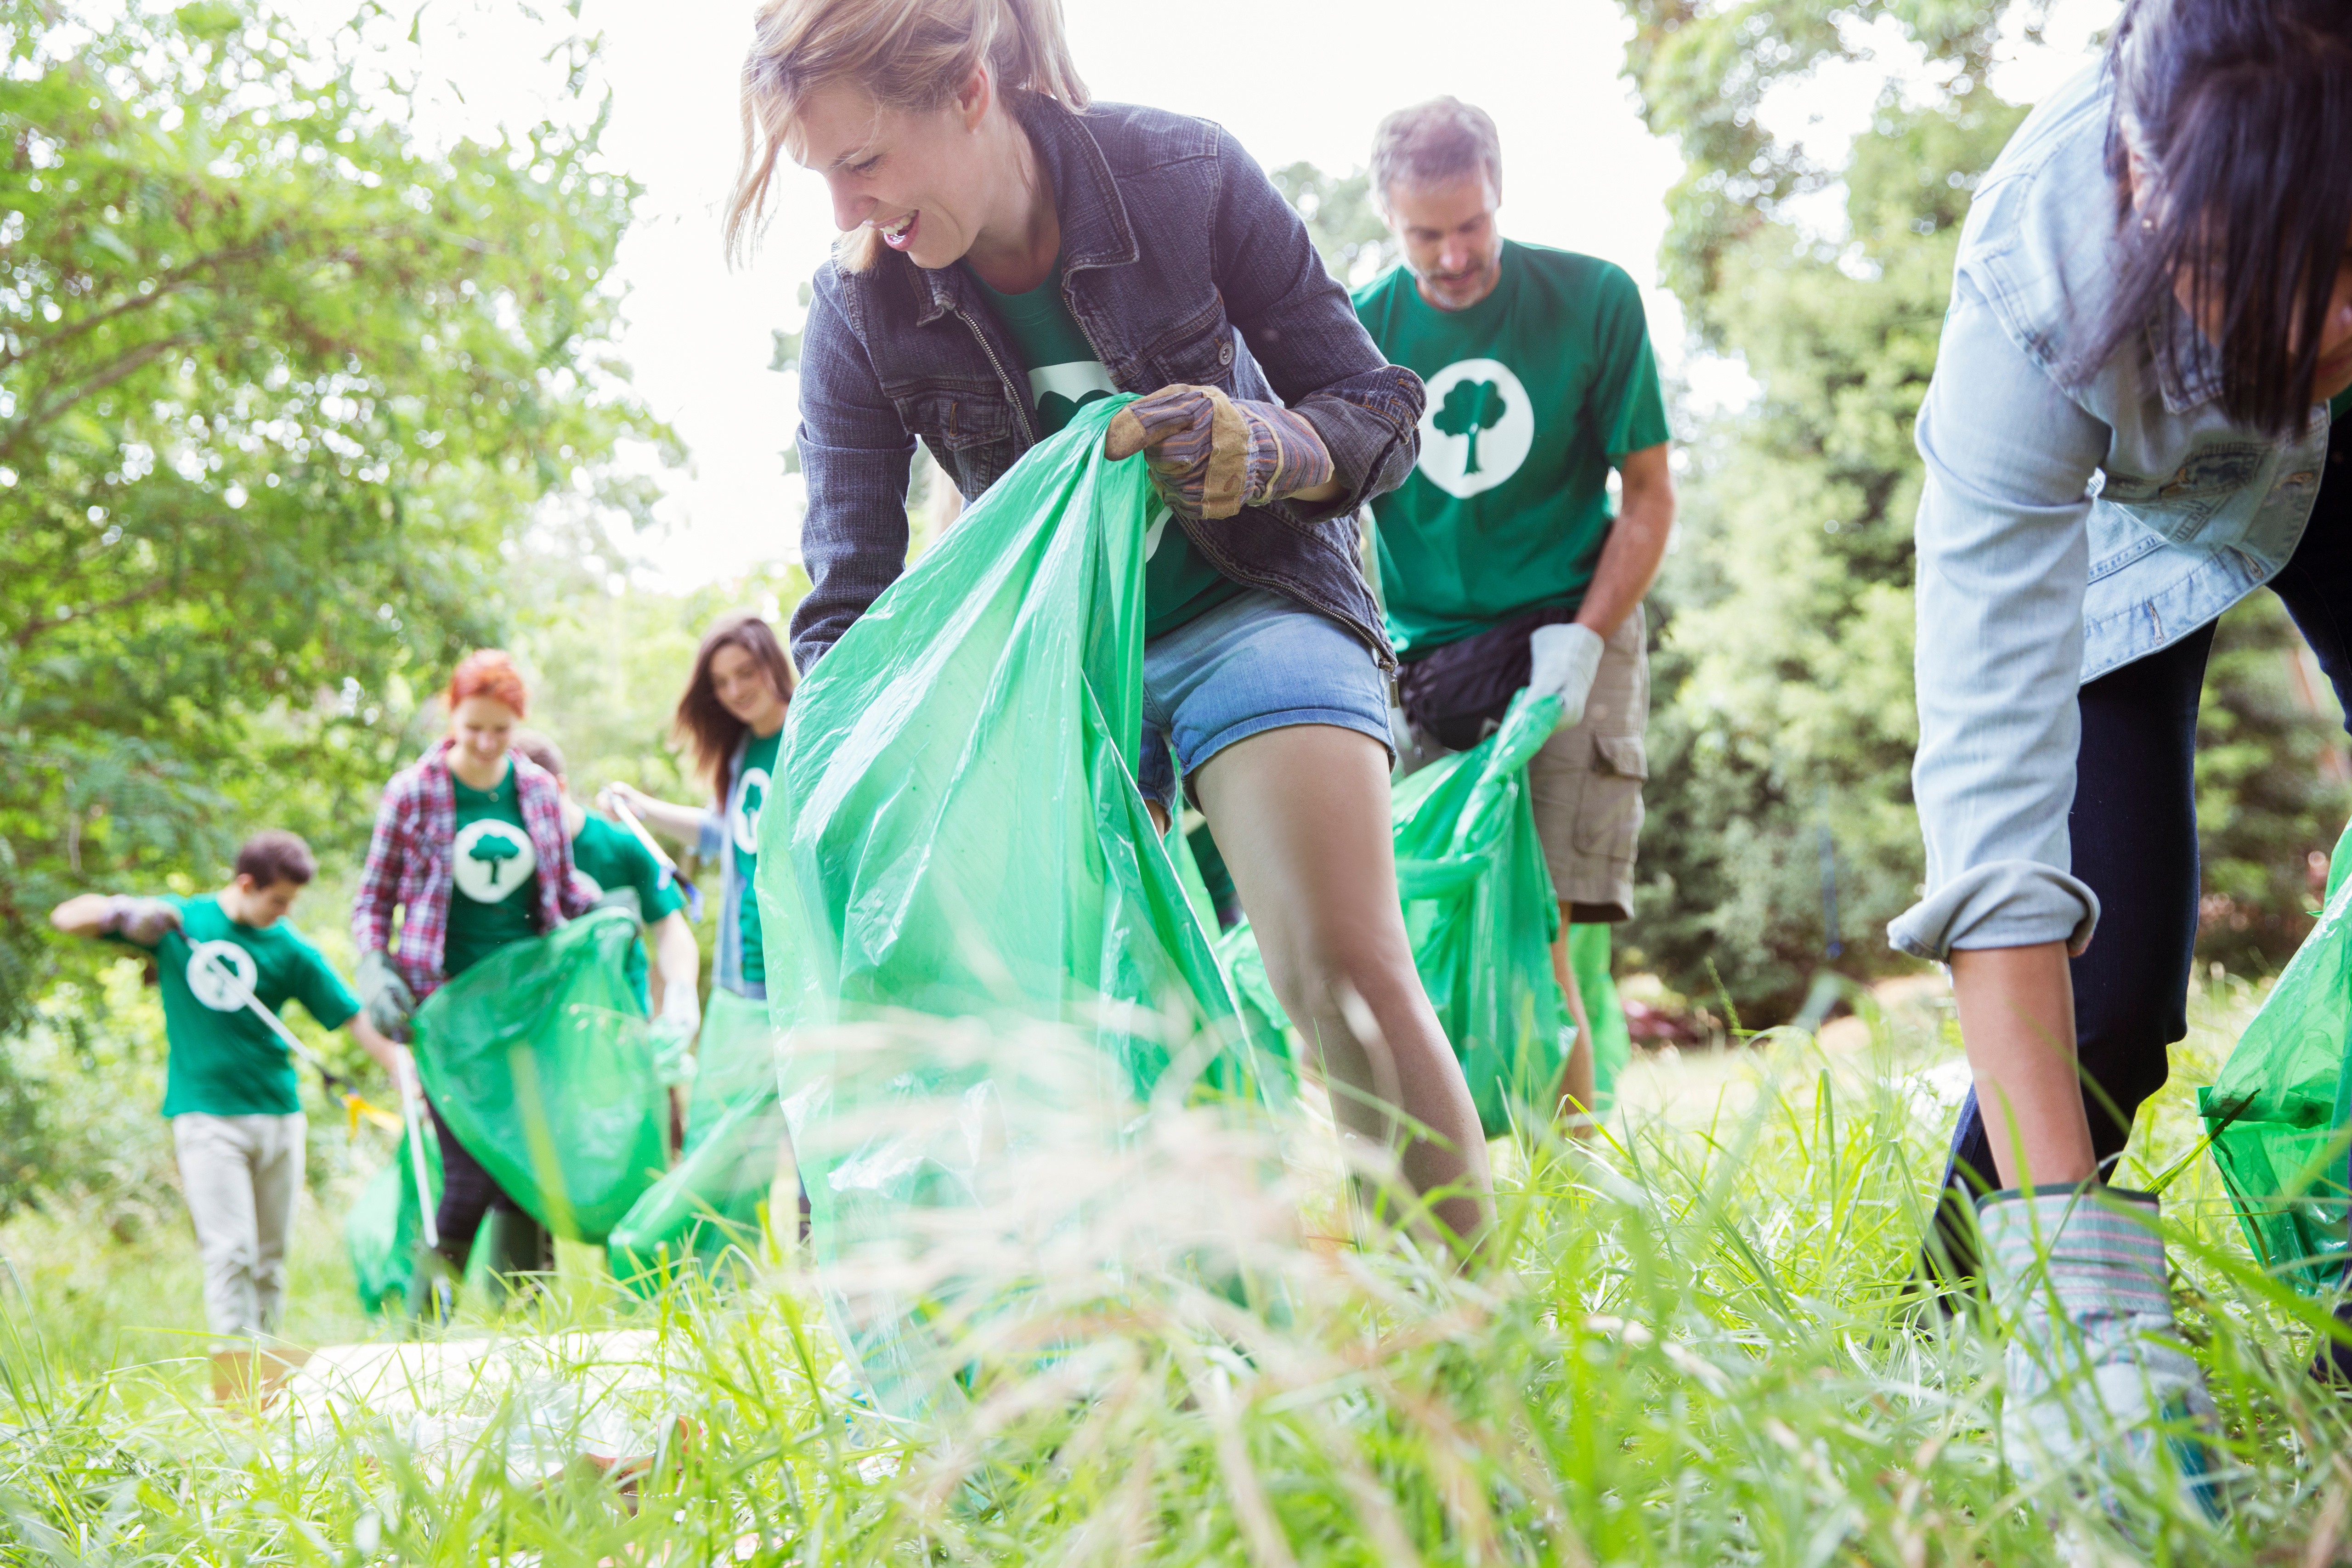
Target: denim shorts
1258,661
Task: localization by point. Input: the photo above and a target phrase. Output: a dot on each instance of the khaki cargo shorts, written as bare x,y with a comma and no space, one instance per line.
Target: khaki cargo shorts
1586,784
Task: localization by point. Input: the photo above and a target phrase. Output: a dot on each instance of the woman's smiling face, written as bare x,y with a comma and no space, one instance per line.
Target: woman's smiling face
920,179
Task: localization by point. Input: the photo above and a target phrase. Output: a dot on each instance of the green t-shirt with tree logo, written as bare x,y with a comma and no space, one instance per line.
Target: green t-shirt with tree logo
496,899
1535,393
1065,375
748,798
631,879
225,1061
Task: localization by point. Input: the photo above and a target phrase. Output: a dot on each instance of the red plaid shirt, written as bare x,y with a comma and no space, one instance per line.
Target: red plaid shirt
408,865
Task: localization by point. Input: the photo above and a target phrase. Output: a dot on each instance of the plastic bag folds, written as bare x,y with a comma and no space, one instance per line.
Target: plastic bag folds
1481,914
2276,1112
541,1061
954,830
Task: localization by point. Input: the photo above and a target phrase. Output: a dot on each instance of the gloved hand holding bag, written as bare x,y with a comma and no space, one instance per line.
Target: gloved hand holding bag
1212,455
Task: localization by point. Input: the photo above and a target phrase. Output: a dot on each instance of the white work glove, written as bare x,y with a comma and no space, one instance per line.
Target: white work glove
1566,656
384,995
2101,1384
141,920
674,1032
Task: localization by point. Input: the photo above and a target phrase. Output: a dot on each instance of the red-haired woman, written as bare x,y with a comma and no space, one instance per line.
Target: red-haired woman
732,717
470,846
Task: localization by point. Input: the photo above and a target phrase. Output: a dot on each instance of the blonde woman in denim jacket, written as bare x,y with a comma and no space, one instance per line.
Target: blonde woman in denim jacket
2128,430
1011,250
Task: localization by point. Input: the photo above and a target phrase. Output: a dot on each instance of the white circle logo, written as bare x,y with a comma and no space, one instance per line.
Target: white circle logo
751,799
1476,427
221,975
493,858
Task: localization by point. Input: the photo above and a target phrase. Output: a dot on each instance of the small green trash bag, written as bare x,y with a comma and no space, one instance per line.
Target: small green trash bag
954,831
1481,914
714,1198
1612,1039
2276,1111
541,1061
384,1227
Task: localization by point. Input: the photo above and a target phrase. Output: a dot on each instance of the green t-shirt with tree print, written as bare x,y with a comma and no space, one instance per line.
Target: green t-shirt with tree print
1065,375
496,899
631,879
1535,392
225,1061
745,801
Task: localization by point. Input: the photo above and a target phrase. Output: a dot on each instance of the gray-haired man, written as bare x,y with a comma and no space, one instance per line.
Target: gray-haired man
1503,563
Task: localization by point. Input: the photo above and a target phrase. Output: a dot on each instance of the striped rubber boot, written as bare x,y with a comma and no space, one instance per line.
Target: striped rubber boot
2100,1386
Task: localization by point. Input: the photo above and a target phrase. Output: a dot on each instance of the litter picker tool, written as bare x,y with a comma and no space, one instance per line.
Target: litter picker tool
612,803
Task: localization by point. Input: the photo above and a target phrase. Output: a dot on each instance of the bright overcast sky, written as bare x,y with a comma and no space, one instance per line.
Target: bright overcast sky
1581,171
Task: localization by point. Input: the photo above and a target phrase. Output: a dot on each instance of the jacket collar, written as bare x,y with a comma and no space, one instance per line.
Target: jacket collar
1095,229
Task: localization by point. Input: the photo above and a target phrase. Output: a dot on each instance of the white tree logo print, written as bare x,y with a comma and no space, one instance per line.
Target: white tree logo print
491,860
1476,428
221,975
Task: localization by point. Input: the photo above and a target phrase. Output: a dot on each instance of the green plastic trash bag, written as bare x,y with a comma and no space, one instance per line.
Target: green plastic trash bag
541,1061
736,1058
2276,1111
954,830
716,1197
1612,1041
1481,914
384,1229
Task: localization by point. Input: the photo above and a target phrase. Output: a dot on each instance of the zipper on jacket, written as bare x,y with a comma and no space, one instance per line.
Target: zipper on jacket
1020,405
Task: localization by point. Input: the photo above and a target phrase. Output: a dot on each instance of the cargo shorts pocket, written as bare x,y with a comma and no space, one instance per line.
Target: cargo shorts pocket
1609,817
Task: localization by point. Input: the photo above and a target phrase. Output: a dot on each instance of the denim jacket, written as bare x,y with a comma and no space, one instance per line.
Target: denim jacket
2063,531
1181,262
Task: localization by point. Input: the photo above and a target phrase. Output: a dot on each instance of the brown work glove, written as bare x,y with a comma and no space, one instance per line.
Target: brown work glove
1211,455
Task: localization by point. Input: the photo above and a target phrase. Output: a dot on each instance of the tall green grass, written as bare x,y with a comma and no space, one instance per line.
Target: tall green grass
1696,1344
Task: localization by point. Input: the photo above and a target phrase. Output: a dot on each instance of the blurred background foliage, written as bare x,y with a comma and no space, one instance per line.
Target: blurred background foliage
293,411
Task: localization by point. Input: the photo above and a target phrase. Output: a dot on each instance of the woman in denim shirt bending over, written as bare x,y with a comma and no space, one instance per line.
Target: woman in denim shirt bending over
2126,433
1013,251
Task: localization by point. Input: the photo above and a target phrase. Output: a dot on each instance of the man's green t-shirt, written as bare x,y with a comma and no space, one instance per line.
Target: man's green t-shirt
1535,392
495,900
744,804
2340,406
631,879
225,1061
1179,584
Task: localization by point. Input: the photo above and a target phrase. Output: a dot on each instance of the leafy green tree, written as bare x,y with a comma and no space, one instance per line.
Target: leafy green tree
279,385
1470,408
1342,219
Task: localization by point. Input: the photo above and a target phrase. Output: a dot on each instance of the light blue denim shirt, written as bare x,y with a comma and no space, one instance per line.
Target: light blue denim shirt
2063,530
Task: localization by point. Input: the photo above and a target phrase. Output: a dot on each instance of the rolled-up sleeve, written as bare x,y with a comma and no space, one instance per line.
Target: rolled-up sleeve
2003,561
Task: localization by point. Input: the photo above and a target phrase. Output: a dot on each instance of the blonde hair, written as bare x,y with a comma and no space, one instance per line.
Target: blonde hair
911,55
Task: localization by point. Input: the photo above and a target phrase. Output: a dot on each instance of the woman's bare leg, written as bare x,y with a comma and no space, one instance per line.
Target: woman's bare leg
1302,814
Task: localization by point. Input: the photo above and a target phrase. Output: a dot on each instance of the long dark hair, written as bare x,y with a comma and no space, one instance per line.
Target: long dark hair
2241,112
702,721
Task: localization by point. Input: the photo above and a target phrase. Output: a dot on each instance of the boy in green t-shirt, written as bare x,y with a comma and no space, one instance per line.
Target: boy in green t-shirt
235,1111
1503,563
